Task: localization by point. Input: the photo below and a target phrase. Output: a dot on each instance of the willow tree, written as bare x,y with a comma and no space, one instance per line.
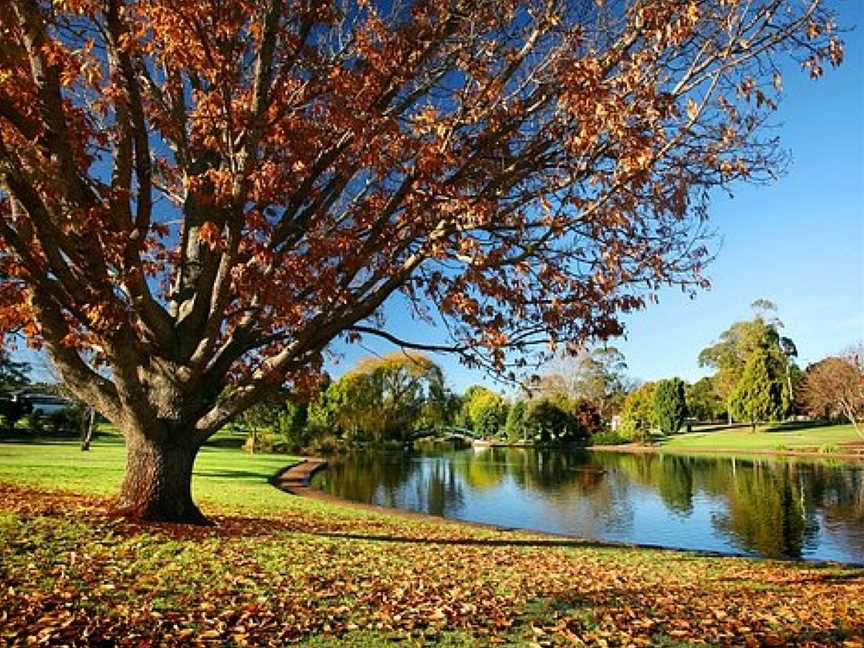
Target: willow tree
199,197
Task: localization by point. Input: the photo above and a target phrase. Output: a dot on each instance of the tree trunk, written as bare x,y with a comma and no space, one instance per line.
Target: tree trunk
158,482
87,421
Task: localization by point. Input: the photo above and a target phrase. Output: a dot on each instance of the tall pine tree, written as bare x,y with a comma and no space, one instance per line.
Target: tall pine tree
759,394
670,406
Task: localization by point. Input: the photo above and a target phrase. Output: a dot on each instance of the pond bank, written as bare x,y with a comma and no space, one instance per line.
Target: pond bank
633,448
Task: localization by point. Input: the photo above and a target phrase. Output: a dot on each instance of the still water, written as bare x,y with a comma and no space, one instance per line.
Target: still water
769,507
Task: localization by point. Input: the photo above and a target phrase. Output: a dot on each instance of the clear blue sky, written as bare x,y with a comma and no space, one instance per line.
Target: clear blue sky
798,242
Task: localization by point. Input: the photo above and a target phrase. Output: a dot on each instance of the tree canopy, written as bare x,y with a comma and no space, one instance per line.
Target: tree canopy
834,387
737,344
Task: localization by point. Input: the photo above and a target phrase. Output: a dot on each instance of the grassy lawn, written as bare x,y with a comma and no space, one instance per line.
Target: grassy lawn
281,569
829,439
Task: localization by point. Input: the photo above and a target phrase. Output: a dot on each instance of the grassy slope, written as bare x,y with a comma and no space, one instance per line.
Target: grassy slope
278,568
765,439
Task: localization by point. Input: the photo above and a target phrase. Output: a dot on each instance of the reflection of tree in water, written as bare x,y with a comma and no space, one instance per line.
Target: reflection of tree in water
554,470
671,476
583,490
770,509
842,497
484,469
437,488
363,476
675,483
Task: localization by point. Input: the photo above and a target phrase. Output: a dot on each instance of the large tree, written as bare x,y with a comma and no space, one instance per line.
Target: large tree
198,197
834,387
759,394
729,355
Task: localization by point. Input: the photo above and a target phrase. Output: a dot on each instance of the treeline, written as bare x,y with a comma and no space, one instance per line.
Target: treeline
402,396
756,380
587,399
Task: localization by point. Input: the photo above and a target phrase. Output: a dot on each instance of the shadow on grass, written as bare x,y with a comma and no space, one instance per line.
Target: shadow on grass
233,474
792,426
70,439
234,443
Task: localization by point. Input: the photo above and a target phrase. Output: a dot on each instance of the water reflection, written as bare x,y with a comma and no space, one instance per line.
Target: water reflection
769,507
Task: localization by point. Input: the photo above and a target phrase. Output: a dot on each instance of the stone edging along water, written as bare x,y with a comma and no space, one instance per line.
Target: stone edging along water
295,479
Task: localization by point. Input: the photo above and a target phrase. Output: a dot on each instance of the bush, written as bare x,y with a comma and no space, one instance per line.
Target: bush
35,422
325,444
68,419
608,437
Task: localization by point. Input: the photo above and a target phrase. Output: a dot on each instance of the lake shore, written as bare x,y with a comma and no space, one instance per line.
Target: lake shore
635,448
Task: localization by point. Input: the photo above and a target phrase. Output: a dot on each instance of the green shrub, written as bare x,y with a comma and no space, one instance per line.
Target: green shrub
608,437
829,448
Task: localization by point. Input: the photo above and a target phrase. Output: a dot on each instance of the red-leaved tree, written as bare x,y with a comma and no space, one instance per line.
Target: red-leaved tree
199,197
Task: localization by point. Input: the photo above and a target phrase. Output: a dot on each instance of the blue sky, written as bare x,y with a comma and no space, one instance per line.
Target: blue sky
798,242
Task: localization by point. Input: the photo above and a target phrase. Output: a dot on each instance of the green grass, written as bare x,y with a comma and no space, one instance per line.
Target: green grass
765,439
224,475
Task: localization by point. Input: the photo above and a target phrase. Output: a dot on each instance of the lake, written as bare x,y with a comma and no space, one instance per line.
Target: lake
771,507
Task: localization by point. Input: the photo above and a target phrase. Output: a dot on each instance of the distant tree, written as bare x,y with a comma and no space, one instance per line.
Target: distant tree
490,418
585,415
596,375
703,403
834,387
475,401
637,414
729,355
548,420
280,422
516,427
13,374
383,398
759,394
670,406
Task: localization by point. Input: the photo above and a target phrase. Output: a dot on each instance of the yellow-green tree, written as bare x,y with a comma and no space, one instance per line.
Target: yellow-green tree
637,414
